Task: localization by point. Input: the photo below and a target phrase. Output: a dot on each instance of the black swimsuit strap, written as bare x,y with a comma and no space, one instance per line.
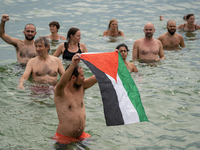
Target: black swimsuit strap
183,26
65,44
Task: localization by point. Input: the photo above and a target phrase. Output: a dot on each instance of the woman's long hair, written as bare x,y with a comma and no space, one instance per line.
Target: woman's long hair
71,31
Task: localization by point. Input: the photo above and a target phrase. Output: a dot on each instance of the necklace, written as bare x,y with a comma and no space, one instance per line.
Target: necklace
71,46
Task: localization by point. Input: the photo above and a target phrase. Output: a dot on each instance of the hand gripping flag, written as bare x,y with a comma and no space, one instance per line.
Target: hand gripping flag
120,96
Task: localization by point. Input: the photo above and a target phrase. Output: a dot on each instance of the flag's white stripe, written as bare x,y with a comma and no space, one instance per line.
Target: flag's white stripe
129,112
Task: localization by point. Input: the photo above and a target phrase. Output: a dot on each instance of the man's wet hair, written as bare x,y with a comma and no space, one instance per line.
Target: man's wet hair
55,23
189,15
29,24
122,45
43,40
169,21
75,72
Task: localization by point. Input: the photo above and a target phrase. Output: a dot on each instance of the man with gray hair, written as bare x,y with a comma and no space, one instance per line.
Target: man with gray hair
44,68
171,40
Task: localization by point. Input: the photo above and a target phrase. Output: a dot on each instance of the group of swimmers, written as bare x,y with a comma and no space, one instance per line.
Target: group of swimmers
69,90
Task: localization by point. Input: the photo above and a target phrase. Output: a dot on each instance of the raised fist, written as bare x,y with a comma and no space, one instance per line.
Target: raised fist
5,17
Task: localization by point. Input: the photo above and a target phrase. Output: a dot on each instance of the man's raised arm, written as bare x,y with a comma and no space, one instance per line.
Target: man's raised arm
66,75
89,82
3,35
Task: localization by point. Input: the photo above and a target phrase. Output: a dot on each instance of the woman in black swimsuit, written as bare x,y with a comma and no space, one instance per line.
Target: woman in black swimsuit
72,46
190,25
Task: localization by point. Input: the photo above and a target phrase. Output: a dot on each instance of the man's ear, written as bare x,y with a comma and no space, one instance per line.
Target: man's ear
73,78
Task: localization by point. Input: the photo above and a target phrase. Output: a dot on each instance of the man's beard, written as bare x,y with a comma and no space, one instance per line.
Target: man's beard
76,86
172,32
29,39
149,35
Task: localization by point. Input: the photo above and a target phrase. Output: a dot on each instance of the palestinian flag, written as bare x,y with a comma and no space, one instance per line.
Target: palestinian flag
120,96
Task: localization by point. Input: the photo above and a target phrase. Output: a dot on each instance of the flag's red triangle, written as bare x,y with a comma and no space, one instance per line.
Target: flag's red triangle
106,62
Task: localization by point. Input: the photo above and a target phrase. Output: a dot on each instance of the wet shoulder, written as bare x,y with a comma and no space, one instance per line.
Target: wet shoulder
178,35
180,26
53,59
105,33
157,41
138,41
162,36
197,26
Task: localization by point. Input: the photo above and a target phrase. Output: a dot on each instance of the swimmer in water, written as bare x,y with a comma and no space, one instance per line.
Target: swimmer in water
147,49
44,68
25,49
54,27
171,40
113,29
72,46
123,49
190,25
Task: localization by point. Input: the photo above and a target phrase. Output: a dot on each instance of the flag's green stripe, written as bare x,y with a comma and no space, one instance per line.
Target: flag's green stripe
131,88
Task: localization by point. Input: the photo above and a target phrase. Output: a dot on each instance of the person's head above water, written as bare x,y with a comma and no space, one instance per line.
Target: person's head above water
43,40
29,31
149,30
72,31
122,45
29,24
54,23
188,16
171,26
113,23
123,49
190,19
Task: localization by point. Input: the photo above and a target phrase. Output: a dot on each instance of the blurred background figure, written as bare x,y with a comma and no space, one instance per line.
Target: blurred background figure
54,26
113,29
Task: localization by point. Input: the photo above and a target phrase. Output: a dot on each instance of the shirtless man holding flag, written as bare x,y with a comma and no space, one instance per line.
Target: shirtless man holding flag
69,101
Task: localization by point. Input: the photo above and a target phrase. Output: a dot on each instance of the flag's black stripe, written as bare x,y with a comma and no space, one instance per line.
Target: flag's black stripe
112,111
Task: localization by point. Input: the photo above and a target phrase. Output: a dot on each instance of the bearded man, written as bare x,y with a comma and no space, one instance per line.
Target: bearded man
69,100
25,49
148,49
171,40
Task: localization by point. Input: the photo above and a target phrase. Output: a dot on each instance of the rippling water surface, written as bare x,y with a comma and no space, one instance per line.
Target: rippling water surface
170,89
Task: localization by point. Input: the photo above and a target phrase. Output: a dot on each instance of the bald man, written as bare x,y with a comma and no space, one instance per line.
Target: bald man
171,40
148,49
25,49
